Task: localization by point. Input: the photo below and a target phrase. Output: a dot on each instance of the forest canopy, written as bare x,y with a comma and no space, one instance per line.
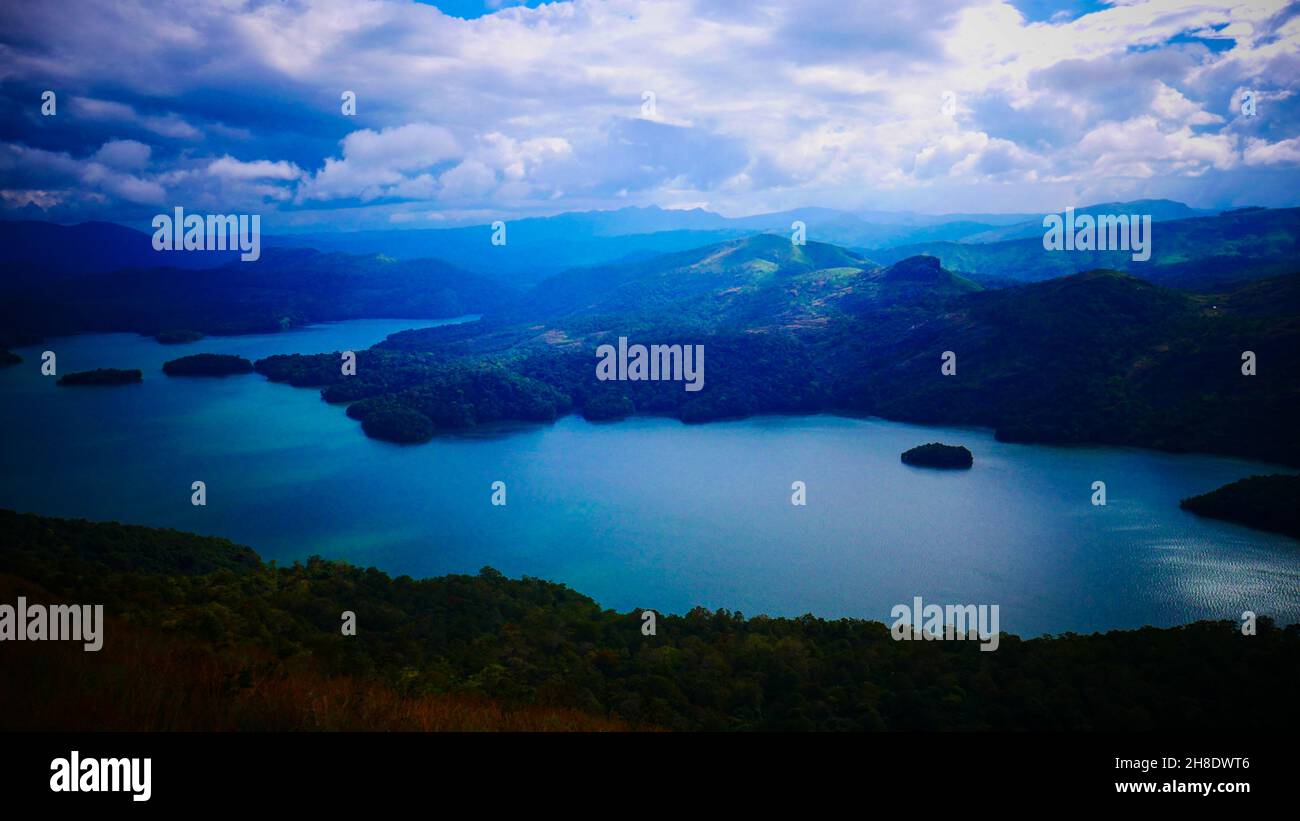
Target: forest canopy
531,644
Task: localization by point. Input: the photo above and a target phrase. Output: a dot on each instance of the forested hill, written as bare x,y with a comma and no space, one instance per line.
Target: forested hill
1098,357
759,277
1101,357
214,638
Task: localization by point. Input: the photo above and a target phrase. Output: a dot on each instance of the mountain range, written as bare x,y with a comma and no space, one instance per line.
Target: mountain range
1198,253
1100,357
1149,356
539,247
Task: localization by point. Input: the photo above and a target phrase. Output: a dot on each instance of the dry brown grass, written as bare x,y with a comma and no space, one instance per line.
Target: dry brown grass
141,681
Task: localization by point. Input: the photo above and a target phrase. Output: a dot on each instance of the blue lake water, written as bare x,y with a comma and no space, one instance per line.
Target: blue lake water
645,512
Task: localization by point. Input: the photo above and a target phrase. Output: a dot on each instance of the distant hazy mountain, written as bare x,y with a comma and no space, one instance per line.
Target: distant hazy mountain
536,248
539,247
856,231
39,251
64,274
1203,253
285,288
1159,210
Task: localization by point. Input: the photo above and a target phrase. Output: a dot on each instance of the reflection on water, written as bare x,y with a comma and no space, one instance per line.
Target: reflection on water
645,512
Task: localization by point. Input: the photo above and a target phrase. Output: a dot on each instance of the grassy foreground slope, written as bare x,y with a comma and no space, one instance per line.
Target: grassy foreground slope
204,635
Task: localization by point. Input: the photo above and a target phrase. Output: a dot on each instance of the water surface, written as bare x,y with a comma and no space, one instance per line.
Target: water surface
645,512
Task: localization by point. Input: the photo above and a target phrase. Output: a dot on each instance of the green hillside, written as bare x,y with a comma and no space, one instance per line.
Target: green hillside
1099,357
202,634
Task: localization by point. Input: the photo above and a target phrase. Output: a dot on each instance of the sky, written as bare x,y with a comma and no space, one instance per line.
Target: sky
469,111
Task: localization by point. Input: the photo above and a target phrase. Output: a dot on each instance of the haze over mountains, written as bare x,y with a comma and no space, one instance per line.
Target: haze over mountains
540,246
537,248
1199,253
787,327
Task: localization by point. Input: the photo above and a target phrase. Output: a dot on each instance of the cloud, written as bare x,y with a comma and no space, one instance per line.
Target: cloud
1170,105
168,125
1261,152
1141,147
229,168
758,104
99,177
123,186
124,154
469,181
377,164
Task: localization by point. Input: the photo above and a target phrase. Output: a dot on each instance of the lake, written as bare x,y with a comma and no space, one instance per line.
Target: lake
646,512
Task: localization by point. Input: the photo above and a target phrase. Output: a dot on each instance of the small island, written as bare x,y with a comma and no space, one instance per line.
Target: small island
8,358
936,455
178,337
207,364
103,376
1269,503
